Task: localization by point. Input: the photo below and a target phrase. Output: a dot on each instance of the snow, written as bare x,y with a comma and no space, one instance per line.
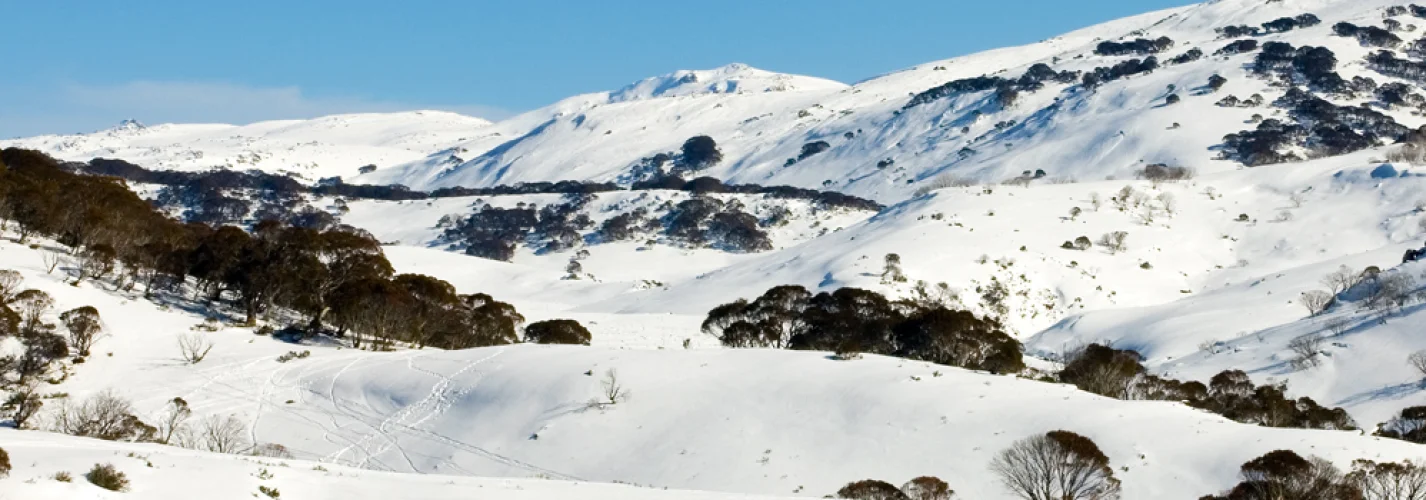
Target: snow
1210,285
167,473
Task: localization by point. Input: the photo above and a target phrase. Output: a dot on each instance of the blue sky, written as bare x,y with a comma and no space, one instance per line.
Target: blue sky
84,65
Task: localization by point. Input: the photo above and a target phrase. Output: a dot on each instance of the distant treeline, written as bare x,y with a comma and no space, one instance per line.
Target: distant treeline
281,184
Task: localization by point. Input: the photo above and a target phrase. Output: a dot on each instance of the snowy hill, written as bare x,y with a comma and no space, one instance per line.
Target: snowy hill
881,138
771,422
309,149
1207,274
166,473
883,143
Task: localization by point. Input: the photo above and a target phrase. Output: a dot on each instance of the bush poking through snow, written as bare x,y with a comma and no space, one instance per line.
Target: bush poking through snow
107,477
1114,241
927,488
271,450
193,347
891,270
870,489
4,463
63,477
1059,465
557,331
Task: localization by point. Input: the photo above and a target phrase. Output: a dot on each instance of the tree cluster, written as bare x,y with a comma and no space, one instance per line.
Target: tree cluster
921,488
1409,425
1102,75
1141,46
1187,56
850,321
1119,374
1279,25
1163,172
1368,36
1386,63
1285,475
337,276
1237,47
1033,79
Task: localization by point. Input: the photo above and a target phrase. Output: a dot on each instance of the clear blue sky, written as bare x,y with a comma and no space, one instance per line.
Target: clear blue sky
77,66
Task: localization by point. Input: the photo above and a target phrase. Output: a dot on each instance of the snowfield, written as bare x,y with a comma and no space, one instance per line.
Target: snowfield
1209,278
162,472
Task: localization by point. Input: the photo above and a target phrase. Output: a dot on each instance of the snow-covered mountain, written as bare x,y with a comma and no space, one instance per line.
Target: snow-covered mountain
1210,274
336,145
882,138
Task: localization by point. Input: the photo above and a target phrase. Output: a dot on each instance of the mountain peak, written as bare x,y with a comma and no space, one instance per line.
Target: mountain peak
732,78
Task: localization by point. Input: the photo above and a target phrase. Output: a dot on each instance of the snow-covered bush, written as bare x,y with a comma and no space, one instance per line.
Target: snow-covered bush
107,477
870,489
852,320
557,331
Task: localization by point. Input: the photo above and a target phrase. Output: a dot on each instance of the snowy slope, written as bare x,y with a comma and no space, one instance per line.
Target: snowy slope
773,422
1209,280
761,120
1070,132
311,149
165,473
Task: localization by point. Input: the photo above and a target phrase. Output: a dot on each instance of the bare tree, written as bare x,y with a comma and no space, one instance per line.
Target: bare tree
9,284
1058,465
52,260
1338,326
1168,202
172,424
23,402
1113,241
614,390
1418,361
1295,199
104,415
1388,480
32,305
1340,280
1095,201
1390,292
194,347
1304,350
220,434
1316,301
83,326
